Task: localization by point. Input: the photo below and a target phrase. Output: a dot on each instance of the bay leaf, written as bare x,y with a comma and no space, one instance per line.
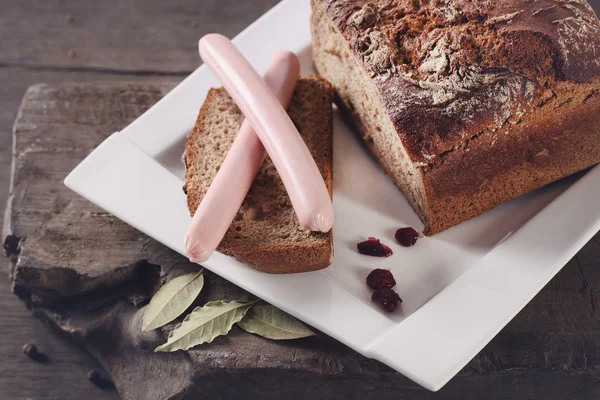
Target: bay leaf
206,323
172,300
272,323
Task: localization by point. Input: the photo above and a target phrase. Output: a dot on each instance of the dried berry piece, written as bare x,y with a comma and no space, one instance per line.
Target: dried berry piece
373,247
407,237
387,298
380,279
31,351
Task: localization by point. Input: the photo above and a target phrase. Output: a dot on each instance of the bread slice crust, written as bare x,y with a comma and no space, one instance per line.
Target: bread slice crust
266,233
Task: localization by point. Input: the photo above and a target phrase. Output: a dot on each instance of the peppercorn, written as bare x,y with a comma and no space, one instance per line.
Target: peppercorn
30,350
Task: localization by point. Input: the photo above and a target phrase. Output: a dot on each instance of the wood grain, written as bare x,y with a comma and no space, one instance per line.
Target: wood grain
15,81
18,377
21,378
134,36
63,378
144,40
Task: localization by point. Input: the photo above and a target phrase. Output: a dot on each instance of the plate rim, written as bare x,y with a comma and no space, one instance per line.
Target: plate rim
432,377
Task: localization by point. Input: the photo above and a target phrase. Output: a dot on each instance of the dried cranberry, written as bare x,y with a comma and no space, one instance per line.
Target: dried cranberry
407,237
381,278
373,247
387,298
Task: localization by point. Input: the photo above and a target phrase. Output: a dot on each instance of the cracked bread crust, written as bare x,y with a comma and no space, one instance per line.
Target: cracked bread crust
482,101
448,69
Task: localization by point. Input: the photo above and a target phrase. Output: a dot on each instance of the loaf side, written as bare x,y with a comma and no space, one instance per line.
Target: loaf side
465,105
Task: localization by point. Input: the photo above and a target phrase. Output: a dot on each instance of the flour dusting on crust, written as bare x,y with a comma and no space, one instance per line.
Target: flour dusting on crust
448,70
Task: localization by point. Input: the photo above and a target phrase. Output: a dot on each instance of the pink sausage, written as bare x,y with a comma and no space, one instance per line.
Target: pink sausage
275,129
231,184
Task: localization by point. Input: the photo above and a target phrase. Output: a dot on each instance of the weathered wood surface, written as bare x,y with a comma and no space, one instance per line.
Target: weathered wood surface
21,378
113,35
37,39
14,82
550,350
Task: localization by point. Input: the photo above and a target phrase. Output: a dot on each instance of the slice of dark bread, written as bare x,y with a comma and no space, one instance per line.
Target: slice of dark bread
266,233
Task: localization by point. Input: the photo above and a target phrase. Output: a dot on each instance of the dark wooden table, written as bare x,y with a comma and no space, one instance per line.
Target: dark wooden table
75,41
56,41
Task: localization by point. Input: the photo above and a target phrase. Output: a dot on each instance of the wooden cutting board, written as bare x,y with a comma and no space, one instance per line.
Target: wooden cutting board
89,275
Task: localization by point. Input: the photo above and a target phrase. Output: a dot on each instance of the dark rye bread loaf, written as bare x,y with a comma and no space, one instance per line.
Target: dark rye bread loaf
266,233
466,104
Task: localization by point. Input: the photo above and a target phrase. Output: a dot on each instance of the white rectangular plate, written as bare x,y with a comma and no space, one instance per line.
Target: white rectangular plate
460,288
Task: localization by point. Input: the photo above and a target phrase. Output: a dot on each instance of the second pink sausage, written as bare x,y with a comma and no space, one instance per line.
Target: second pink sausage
292,159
